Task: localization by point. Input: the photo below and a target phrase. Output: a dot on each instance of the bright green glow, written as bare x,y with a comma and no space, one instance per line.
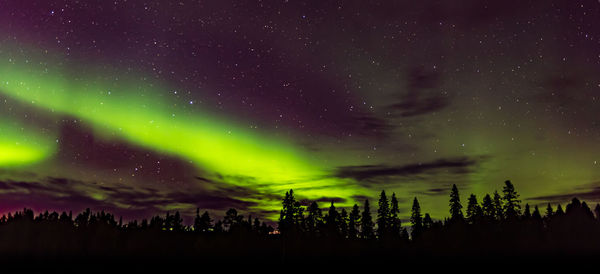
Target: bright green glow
134,110
123,110
20,147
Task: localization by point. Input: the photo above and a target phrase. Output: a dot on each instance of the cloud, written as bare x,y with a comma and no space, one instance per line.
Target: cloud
422,96
589,194
459,165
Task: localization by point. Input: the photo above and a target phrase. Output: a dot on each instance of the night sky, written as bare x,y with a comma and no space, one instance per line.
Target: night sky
143,107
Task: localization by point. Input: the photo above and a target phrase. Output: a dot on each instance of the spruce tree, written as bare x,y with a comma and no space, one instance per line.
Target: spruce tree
354,222
314,220
498,207
549,211
383,215
416,219
559,211
395,224
487,208
366,225
512,204
332,221
427,222
536,214
473,210
455,206
343,223
527,212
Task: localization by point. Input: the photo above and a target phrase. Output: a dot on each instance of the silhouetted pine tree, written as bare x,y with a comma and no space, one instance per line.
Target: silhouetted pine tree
427,222
536,216
383,215
291,215
487,208
498,207
366,225
395,223
416,219
332,222
202,223
474,211
597,211
314,220
354,222
455,206
549,211
343,223
232,220
559,211
527,212
512,204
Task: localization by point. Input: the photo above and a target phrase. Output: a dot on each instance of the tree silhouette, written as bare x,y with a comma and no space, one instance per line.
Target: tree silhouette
427,222
343,223
474,211
455,206
202,223
366,225
354,222
314,220
232,220
383,215
395,223
549,211
512,204
332,222
488,209
416,219
527,212
536,214
291,215
499,207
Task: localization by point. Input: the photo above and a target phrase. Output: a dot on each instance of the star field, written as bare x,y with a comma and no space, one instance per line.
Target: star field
145,106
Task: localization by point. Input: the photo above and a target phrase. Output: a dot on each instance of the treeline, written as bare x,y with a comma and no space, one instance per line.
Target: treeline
498,225
494,210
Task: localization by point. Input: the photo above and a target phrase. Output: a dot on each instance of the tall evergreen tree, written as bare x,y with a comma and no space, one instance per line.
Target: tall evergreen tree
455,206
395,223
474,211
202,223
559,211
527,212
354,222
416,219
536,214
332,221
366,225
314,220
232,220
427,222
549,211
498,207
512,204
291,215
487,208
343,222
383,215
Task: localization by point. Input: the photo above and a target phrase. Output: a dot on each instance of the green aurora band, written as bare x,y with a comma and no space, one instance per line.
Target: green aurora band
20,146
130,109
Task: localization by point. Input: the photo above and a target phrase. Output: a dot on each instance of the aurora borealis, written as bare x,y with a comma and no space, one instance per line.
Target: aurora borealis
141,107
